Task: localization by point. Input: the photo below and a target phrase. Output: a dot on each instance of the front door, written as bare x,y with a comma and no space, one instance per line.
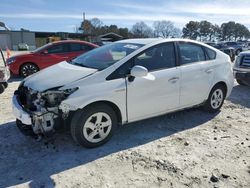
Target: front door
158,92
54,54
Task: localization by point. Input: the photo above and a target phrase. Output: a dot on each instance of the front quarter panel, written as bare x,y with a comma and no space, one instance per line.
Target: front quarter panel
113,91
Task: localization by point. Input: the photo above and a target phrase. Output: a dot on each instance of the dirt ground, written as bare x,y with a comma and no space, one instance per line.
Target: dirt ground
185,149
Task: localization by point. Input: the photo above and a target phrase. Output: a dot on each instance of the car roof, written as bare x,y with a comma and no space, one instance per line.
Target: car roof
73,41
139,41
146,41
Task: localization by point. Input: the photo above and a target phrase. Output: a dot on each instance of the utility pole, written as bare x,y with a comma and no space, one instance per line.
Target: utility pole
83,16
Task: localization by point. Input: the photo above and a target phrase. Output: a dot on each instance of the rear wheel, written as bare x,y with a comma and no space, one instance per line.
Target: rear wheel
28,69
94,125
216,98
2,88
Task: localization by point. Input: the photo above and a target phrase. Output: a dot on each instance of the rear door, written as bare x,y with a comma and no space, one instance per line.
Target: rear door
196,74
77,49
159,92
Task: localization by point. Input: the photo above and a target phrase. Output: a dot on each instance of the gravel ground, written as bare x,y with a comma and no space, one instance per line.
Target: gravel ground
185,149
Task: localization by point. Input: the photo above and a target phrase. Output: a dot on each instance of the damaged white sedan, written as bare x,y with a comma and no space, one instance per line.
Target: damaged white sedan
119,83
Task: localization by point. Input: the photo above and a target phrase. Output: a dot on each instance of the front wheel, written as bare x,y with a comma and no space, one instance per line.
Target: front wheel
216,99
28,69
94,125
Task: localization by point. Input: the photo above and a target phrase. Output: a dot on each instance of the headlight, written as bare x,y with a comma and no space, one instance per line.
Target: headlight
53,98
11,60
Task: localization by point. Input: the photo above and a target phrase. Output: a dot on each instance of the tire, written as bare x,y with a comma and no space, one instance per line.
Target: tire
87,125
28,69
216,99
237,52
5,84
2,88
241,82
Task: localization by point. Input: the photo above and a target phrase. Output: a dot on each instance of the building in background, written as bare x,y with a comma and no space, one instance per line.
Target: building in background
12,39
34,39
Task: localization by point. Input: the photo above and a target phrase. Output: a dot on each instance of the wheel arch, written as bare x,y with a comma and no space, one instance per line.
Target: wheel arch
222,83
109,103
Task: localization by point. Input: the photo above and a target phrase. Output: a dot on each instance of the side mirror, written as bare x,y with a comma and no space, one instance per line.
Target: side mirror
139,71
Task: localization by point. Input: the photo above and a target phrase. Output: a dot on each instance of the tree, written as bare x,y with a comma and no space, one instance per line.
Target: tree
234,31
96,22
191,30
205,30
141,30
165,29
216,33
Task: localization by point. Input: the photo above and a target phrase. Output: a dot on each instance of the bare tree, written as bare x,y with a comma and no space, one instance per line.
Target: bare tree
141,30
96,22
166,29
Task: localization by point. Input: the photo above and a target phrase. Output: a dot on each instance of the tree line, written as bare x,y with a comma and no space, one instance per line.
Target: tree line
206,31
203,30
162,28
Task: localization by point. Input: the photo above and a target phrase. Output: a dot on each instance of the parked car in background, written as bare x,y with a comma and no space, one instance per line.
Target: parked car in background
228,50
23,46
242,68
4,73
246,46
239,47
47,55
119,83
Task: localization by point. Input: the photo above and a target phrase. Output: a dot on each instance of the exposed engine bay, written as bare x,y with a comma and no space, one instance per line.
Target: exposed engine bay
43,108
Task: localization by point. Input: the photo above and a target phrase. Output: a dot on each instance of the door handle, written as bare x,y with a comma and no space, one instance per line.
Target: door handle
174,79
209,71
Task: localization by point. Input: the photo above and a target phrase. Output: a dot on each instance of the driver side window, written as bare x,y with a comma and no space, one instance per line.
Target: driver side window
158,57
59,48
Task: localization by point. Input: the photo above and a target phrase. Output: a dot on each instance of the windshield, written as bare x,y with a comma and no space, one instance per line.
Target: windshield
105,56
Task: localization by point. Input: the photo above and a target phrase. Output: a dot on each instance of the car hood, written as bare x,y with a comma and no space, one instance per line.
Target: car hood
21,54
56,76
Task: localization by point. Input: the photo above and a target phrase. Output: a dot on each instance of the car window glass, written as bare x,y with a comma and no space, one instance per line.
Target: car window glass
191,53
158,57
60,48
210,53
105,56
75,47
86,47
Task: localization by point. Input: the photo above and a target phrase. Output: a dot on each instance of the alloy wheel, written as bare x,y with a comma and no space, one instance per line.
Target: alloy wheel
217,98
28,70
97,127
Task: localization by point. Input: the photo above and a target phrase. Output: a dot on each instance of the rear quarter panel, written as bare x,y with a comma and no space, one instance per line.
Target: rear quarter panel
223,72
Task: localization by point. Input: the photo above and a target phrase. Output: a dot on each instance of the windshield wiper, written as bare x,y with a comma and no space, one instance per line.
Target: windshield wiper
79,64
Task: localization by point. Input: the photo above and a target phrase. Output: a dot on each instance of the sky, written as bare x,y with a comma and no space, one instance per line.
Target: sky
65,15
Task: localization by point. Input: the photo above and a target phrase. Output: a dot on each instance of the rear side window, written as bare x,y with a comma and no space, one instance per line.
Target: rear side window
59,48
210,53
158,57
75,47
191,53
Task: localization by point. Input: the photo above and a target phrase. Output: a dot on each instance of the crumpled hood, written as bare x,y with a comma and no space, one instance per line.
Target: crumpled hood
56,76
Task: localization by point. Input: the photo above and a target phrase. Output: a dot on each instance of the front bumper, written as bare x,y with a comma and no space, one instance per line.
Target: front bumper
19,113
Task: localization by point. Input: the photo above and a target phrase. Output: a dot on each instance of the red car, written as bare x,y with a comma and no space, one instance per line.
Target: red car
47,55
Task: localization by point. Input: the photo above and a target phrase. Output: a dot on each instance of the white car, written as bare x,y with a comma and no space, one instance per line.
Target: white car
119,83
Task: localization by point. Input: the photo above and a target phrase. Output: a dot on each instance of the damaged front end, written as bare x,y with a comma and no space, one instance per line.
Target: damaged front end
43,110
